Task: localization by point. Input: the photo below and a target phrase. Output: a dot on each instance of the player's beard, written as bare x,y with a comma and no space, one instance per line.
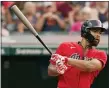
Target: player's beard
95,42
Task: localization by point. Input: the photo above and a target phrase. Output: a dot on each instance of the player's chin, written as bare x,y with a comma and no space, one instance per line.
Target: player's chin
95,43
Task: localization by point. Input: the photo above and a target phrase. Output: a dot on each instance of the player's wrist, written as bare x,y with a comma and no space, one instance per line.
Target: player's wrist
66,59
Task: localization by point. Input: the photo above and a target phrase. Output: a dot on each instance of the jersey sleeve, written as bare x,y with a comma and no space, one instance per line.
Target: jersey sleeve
65,49
101,56
60,49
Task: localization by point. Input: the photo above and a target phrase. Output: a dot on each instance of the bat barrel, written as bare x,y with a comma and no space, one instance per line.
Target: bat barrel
20,15
25,21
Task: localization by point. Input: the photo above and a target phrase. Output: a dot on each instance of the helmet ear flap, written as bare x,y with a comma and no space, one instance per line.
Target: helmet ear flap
87,25
84,28
85,31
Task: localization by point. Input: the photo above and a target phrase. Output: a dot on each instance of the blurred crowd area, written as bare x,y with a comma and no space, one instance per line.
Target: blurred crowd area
57,16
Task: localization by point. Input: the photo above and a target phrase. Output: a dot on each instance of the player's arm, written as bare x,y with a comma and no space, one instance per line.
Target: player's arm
95,64
52,70
83,65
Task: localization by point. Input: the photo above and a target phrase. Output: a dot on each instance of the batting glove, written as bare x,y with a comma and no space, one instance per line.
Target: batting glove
56,57
59,61
60,67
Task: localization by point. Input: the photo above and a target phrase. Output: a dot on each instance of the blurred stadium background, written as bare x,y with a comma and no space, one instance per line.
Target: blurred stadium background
24,60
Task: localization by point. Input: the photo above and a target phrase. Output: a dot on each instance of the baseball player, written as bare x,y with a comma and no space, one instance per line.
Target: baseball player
77,63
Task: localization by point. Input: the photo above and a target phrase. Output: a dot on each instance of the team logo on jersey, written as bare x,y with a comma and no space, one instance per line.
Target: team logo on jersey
75,56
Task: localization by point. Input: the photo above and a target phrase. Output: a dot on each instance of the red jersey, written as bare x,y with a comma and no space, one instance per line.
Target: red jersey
73,77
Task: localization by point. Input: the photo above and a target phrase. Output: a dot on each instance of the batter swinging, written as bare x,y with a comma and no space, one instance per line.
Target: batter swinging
78,63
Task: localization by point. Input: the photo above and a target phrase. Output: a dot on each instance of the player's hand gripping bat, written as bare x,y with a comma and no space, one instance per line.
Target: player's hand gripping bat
24,20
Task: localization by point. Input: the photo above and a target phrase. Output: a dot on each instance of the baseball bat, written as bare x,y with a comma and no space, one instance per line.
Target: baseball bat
25,21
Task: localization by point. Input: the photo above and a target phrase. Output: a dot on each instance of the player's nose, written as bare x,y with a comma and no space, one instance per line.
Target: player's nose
97,35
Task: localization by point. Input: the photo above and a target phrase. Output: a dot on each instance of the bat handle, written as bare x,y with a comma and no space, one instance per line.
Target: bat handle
44,44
